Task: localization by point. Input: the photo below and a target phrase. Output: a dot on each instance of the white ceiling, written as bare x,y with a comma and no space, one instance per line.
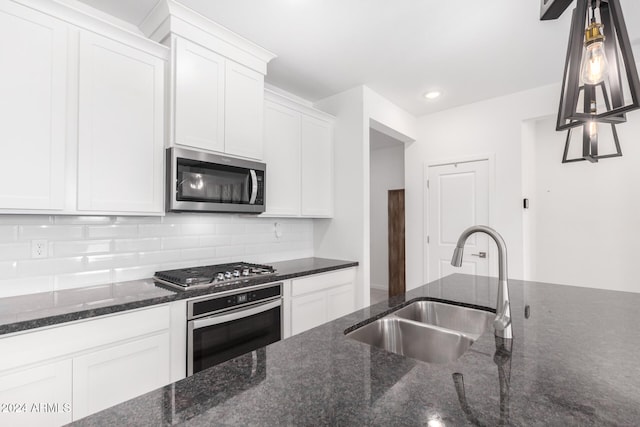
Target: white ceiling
469,50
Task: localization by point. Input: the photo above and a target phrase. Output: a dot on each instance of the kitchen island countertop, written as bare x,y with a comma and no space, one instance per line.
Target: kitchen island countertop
573,361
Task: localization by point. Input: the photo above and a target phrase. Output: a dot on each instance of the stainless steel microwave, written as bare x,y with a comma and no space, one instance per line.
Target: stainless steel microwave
205,182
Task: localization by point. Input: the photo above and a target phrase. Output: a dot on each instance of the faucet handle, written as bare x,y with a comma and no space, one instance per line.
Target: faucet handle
502,319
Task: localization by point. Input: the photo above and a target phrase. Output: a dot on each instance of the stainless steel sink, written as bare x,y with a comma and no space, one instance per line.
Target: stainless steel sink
413,339
430,331
468,321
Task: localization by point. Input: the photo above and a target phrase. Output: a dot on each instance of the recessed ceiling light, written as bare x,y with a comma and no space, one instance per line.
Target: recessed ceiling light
432,94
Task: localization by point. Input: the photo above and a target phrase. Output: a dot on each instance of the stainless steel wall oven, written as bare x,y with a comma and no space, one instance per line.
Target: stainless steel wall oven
229,324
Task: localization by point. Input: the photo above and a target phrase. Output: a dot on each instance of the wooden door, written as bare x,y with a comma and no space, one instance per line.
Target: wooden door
396,243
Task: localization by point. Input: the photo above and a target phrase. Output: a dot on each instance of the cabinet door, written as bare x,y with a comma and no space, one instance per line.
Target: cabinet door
308,311
340,301
244,108
199,96
42,394
33,82
316,167
282,156
105,378
121,108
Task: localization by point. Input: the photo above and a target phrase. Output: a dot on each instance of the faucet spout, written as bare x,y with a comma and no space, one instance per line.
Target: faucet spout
502,322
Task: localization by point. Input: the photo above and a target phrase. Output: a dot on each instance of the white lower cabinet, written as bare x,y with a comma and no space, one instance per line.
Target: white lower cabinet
37,396
77,369
107,377
320,298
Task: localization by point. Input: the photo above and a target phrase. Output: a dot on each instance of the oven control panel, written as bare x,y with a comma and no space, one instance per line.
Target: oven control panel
213,304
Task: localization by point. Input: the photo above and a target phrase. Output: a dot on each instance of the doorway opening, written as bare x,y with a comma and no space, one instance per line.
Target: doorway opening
386,188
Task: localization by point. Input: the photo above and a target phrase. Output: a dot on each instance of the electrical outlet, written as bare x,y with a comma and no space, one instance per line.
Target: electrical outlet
39,249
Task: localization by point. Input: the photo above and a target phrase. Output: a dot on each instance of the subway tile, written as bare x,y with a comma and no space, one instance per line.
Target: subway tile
217,218
15,251
112,231
197,253
24,286
137,220
26,219
220,240
159,257
198,229
82,220
137,245
40,267
159,230
134,273
230,251
259,228
99,262
8,233
85,278
8,269
181,218
60,249
179,242
242,239
50,232
230,228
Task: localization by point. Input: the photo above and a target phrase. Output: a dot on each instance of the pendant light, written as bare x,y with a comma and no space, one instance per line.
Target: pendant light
600,74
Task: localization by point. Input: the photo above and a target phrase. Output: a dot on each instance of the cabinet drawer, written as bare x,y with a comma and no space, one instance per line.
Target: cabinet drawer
320,282
33,347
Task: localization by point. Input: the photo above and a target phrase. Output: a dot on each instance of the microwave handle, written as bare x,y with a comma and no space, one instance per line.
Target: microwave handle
254,187
236,314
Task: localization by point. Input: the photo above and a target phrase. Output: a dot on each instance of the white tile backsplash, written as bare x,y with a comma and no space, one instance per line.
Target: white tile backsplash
89,250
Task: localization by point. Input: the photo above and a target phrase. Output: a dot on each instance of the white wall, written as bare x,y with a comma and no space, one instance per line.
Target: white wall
347,234
387,173
492,127
91,250
586,216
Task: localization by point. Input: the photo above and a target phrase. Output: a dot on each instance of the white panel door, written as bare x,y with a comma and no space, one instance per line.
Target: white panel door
107,377
199,96
282,156
244,109
308,311
316,167
42,393
458,197
121,110
33,84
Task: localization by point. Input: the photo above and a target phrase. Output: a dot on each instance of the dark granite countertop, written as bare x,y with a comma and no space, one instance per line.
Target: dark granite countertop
32,311
573,361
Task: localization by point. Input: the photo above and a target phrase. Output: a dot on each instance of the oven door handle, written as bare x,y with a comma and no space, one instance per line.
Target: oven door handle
235,315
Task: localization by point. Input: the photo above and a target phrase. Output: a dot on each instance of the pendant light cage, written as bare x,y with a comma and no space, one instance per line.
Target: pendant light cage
606,102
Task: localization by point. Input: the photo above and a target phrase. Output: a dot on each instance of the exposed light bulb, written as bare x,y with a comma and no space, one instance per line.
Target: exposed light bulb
593,129
594,66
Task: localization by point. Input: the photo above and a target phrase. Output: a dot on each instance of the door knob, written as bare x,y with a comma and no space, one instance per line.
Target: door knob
480,254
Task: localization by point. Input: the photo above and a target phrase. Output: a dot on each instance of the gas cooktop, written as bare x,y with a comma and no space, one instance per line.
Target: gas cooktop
212,275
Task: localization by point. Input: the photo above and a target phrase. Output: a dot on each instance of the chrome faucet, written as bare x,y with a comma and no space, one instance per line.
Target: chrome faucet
502,322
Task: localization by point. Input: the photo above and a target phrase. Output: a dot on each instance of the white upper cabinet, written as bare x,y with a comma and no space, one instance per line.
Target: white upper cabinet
282,156
218,103
317,167
120,141
33,85
199,80
244,94
299,157
217,82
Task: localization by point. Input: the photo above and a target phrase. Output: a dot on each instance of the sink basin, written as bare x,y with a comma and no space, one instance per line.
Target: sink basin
430,331
413,339
469,321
